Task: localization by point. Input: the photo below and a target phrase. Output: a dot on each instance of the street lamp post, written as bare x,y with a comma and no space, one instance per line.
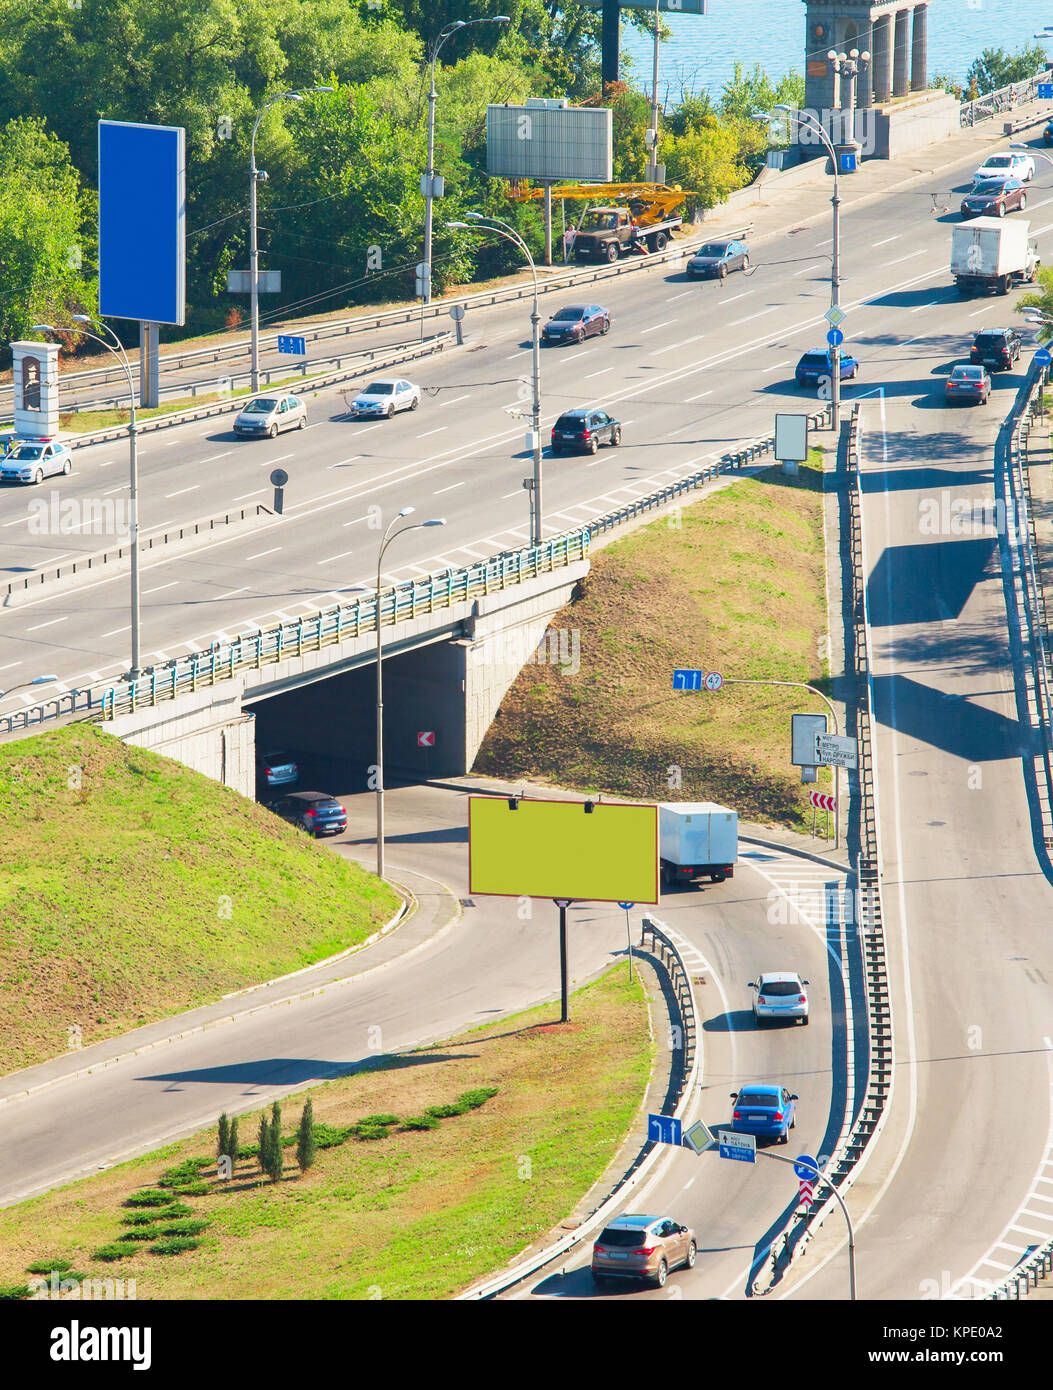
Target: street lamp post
379,770
260,176
428,181
835,276
510,234
848,65
24,685
133,467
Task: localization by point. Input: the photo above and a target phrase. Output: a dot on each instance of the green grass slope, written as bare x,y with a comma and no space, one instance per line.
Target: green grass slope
132,888
734,583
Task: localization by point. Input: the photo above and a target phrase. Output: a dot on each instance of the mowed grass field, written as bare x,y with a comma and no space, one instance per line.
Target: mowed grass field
734,583
414,1215
133,888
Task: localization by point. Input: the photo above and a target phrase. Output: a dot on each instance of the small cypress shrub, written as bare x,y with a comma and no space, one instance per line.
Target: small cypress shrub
182,1228
155,1214
370,1131
232,1142
174,1245
46,1267
14,1291
114,1251
275,1156
150,1198
479,1095
306,1148
191,1189
420,1122
445,1112
223,1140
263,1142
141,1233
379,1120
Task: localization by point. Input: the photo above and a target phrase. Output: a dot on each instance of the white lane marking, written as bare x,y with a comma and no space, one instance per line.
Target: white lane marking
50,623
978,313
683,342
260,553
921,251
108,464
698,397
111,490
827,242
454,401
742,294
886,240
116,630
352,458
212,457
330,558
9,665
438,430
656,326
682,295
182,490
807,268
17,521
760,313
472,550
507,495
439,491
918,307
580,353
242,496
368,428
280,459
158,587
513,355
231,592
602,372
778,365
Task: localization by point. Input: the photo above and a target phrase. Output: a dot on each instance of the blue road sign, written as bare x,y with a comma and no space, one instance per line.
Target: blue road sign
626,906
688,680
806,1167
742,1147
665,1129
835,337
848,163
293,345
1045,91
1043,358
142,222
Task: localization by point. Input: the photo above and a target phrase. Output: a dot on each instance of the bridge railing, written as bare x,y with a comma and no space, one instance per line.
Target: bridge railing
1004,100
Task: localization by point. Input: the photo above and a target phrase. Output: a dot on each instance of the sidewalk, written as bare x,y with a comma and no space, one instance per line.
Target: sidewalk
430,910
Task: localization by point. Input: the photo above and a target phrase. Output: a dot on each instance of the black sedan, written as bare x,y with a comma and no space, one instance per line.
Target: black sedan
585,429
994,199
575,323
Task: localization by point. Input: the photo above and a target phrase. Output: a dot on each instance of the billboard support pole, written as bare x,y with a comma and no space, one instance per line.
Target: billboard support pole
563,904
609,63
149,367
548,223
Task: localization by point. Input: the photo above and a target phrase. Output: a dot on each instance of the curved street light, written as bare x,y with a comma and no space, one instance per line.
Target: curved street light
22,685
835,276
479,222
379,772
260,176
116,347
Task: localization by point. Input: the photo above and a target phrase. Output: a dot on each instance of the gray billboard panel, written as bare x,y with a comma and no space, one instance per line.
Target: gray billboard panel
538,142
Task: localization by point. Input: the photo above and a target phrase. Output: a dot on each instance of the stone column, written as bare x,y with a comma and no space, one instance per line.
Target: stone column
900,77
863,86
882,66
919,67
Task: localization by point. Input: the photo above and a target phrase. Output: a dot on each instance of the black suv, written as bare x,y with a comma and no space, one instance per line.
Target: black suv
316,812
996,347
1047,134
585,429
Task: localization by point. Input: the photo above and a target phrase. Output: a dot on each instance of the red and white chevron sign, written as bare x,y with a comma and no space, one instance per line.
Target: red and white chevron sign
804,1194
823,801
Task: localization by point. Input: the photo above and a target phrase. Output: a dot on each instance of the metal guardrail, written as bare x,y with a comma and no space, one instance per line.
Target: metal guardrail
667,953
320,628
391,358
100,560
1004,100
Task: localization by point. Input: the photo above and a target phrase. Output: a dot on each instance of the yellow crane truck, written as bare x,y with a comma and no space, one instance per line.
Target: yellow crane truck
634,217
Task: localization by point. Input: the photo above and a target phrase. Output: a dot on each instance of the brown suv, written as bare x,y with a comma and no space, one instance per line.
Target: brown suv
642,1247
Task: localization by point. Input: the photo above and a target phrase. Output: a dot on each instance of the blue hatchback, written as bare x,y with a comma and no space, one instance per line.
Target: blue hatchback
767,1110
813,366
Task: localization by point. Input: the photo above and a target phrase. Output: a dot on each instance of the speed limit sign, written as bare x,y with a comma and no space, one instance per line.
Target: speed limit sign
714,681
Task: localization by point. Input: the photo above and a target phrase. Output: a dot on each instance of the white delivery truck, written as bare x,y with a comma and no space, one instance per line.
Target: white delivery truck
697,838
991,253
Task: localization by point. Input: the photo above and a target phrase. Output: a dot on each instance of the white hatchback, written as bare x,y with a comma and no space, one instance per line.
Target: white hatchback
779,994
384,396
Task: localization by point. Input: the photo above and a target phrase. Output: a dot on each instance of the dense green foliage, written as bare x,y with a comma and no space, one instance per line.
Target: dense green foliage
996,68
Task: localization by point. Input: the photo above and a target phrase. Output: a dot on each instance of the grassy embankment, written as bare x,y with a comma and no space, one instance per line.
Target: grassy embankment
414,1214
734,583
133,888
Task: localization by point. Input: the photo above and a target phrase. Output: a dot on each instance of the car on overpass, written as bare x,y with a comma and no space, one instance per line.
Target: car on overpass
584,430
814,366
576,322
716,259
265,417
994,199
767,1110
968,383
642,1247
779,994
31,461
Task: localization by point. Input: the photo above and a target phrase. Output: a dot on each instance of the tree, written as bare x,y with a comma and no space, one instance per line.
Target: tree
708,160
223,1143
948,83
263,1142
275,1152
1041,300
47,245
306,1147
232,1141
996,68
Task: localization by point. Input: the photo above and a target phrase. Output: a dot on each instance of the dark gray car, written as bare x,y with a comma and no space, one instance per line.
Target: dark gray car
717,258
585,430
316,812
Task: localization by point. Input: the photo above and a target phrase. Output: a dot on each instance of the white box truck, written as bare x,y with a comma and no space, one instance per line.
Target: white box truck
697,838
992,253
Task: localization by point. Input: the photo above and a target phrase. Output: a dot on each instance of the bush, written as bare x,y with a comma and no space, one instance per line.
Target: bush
479,1095
191,1189
379,1120
184,1228
47,1266
141,1233
174,1245
445,1112
184,1173
114,1251
248,1150
328,1136
370,1132
306,1145
150,1198
420,1122
12,1291
169,1213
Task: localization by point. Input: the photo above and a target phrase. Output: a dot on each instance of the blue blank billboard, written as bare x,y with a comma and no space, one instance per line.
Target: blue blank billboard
142,222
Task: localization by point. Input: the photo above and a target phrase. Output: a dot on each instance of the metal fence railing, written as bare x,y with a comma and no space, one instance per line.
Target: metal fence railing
1002,101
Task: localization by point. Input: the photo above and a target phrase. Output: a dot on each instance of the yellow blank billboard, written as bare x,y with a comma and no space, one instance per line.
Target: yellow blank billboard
556,849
